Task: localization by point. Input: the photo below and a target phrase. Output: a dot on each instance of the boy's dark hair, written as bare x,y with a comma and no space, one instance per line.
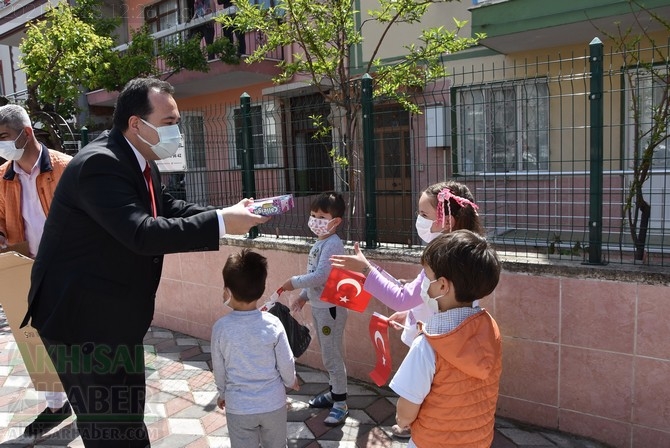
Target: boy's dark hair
244,274
465,217
467,260
330,202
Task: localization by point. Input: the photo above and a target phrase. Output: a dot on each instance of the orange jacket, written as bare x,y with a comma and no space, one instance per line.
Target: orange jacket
51,163
459,410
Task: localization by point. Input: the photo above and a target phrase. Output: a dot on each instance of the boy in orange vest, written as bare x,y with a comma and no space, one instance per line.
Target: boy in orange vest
448,382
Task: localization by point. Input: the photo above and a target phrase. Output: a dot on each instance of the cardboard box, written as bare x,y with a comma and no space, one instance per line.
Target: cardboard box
21,248
15,279
275,205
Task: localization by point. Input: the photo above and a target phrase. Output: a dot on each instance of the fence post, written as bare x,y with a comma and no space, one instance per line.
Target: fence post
248,181
596,162
84,136
369,163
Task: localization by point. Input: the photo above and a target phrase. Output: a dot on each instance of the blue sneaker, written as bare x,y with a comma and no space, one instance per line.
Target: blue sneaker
324,400
337,415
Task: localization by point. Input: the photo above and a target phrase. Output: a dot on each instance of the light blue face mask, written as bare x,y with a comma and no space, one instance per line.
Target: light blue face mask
169,140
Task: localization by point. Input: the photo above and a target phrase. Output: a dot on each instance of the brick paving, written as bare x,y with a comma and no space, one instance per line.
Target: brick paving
181,407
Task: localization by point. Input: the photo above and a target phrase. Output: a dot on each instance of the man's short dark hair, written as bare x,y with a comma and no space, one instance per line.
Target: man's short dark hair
467,260
244,274
134,99
330,202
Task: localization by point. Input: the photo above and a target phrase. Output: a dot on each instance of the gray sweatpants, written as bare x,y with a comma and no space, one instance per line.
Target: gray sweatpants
331,338
267,429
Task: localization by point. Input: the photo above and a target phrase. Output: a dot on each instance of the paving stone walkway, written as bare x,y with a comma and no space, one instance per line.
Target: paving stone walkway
181,405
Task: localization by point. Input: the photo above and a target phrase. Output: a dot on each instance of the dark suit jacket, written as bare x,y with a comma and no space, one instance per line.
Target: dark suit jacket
100,259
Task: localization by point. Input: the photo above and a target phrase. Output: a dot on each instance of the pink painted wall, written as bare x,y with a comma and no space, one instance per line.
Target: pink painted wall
585,349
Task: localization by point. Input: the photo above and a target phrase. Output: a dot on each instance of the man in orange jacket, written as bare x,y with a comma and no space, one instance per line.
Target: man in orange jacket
27,183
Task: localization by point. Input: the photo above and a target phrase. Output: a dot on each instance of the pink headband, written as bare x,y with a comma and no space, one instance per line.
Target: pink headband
444,196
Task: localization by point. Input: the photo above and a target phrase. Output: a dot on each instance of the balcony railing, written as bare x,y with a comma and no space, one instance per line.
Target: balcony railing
184,31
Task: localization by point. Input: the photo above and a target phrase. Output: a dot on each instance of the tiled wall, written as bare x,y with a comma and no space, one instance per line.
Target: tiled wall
585,350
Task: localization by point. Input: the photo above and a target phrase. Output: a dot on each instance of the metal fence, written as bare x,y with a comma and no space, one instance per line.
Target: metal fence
546,146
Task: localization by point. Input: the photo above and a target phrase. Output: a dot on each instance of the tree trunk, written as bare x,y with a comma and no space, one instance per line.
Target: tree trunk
641,240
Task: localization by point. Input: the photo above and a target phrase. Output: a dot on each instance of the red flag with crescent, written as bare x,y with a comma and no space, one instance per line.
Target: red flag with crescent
379,335
345,288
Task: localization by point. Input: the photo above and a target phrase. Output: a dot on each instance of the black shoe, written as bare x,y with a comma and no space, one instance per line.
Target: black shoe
47,420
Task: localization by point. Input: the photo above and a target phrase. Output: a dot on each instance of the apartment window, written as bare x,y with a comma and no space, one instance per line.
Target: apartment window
504,127
264,139
650,90
195,178
185,174
162,15
193,129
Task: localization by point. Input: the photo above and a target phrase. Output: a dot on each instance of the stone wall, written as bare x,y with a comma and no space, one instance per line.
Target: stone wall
585,348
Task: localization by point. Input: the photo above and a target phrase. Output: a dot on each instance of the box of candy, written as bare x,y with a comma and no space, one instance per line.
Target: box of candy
275,205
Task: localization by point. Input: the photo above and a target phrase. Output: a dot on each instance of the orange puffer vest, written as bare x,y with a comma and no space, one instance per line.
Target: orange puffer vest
459,410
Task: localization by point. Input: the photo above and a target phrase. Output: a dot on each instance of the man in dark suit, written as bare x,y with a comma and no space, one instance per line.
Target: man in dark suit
100,258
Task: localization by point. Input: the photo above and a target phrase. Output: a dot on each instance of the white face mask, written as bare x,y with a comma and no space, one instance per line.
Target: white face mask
318,226
169,140
9,151
431,302
423,226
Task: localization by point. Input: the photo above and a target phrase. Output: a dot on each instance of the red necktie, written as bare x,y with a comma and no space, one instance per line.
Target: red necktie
147,176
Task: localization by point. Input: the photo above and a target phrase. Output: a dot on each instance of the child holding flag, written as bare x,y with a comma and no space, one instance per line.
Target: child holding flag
448,382
443,207
326,215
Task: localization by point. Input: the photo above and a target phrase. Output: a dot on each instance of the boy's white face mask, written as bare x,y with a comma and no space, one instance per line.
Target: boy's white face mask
431,302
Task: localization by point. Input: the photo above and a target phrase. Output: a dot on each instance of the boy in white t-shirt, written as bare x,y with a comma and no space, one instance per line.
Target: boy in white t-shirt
448,382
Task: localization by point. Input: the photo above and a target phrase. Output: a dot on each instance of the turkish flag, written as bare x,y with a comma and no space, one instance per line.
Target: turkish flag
379,335
345,288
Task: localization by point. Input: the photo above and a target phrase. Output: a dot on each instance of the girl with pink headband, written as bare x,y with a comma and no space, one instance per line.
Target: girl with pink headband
443,208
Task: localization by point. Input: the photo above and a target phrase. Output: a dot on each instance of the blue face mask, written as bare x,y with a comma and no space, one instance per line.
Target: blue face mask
169,140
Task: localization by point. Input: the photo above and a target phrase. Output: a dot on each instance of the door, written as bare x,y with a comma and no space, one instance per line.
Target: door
313,172
393,171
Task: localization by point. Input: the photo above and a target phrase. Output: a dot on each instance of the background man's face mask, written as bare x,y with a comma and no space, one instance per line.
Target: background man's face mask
9,151
169,140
